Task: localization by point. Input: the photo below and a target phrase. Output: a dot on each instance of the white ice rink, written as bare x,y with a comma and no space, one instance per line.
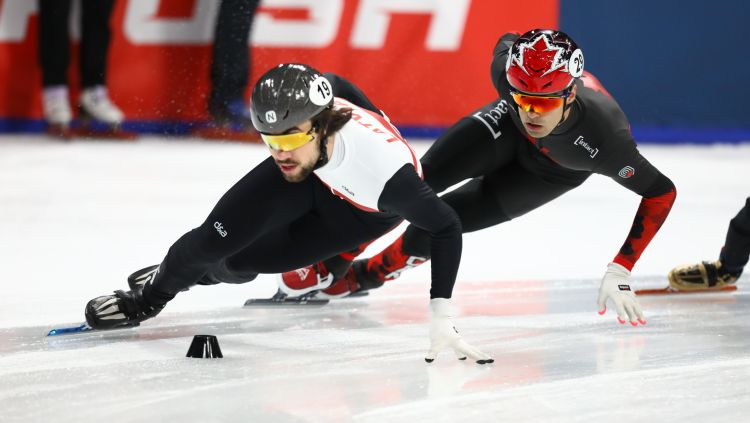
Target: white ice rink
76,218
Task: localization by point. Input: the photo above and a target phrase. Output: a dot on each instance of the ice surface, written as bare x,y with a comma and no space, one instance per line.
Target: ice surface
77,217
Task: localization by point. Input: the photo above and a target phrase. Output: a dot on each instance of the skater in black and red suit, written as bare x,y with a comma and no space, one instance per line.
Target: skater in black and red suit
551,128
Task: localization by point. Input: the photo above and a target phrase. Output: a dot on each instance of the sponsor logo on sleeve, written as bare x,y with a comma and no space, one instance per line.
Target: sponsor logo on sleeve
491,117
626,172
348,191
591,150
220,229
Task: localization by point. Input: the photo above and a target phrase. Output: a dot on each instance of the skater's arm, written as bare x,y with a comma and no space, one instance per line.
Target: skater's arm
631,170
651,214
407,195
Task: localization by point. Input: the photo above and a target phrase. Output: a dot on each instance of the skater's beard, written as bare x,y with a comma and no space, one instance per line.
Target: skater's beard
300,173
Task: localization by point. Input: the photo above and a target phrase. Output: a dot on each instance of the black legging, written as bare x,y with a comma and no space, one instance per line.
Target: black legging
736,251
230,57
54,48
269,226
500,188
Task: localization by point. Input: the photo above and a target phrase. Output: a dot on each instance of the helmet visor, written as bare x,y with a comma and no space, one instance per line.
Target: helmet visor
287,142
537,104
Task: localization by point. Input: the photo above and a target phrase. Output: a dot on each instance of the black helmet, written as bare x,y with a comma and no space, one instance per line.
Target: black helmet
288,94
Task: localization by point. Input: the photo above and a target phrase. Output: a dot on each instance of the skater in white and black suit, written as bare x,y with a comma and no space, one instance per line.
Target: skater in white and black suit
280,217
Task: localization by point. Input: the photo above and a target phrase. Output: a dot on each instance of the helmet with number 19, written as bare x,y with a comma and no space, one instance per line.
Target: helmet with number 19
288,94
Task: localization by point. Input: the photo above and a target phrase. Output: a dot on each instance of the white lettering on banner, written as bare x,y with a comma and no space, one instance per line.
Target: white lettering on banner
446,25
371,24
141,26
318,31
14,19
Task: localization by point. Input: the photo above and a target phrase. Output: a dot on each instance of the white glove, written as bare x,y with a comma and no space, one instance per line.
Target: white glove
616,286
444,336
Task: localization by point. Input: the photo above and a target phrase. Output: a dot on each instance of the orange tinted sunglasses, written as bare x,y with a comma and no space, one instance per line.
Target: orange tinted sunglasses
539,104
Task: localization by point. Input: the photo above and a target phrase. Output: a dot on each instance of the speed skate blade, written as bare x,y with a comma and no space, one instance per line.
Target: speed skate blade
83,328
670,291
286,302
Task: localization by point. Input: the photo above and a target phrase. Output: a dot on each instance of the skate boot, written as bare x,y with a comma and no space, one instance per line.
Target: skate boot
100,118
124,308
372,273
230,121
706,275
56,108
357,281
234,114
391,262
141,277
305,280
95,105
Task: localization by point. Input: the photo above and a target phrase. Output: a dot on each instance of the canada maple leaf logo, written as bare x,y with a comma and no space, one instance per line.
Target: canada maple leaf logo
540,55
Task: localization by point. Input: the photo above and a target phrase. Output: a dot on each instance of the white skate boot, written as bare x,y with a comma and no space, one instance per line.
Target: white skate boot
95,105
56,109
99,116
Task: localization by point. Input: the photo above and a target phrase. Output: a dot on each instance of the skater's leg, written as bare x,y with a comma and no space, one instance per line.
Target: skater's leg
54,57
95,103
714,275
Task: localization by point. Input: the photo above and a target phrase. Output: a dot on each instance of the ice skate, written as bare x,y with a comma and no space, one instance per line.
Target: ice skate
99,117
356,283
703,276
141,277
282,299
230,122
707,276
122,309
305,280
57,112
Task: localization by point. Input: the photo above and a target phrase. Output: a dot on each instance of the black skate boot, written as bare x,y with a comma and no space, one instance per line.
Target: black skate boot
124,308
229,121
141,277
701,276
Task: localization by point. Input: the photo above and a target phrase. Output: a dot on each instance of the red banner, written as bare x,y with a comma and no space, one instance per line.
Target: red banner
424,62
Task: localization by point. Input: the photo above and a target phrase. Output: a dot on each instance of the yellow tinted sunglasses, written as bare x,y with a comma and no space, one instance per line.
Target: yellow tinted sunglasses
287,142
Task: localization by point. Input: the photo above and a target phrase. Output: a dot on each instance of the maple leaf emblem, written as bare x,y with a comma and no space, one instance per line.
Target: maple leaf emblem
539,55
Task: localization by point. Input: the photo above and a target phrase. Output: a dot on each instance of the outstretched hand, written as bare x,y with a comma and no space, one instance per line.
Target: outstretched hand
616,286
444,336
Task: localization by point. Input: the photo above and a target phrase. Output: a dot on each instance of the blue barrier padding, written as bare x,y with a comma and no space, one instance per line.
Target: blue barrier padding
642,134
677,135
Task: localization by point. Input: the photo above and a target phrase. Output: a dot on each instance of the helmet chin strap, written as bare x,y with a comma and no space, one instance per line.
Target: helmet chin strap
565,109
566,106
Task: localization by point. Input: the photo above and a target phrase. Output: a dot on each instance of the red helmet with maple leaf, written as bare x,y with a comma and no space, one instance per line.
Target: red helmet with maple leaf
544,62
